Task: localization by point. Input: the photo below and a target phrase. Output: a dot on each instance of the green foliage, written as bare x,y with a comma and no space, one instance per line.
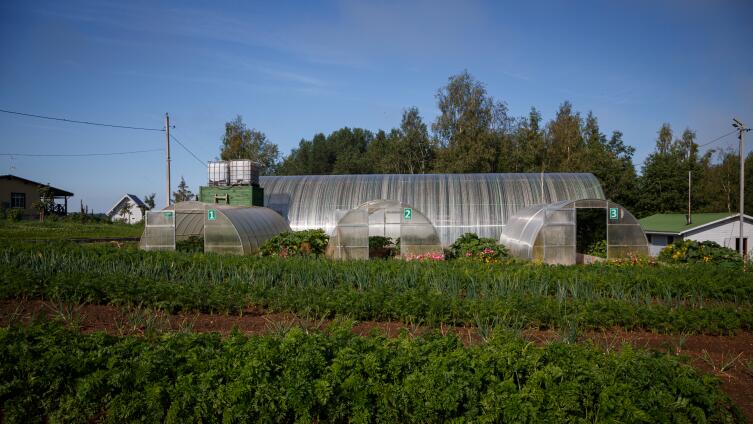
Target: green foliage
193,244
470,126
382,247
598,249
184,193
296,243
691,251
240,142
52,374
470,247
678,298
68,227
14,214
149,201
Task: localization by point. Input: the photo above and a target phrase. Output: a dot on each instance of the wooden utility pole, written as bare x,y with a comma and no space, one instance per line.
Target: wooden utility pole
167,140
740,131
690,219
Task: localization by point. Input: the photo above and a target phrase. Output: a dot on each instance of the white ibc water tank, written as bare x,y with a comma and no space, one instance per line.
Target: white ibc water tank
219,174
243,172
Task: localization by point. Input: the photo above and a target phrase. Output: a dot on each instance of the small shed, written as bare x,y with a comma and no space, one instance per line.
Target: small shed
129,209
722,228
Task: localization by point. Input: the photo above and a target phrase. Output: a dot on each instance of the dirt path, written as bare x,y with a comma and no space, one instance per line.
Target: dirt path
727,357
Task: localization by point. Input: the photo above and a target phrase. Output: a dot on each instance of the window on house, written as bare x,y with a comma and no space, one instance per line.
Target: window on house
18,200
745,245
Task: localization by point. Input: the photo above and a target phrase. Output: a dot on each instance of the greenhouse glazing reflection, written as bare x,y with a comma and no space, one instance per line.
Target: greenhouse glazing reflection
454,203
548,232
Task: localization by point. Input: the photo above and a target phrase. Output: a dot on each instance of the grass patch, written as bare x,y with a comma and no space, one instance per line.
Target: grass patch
64,230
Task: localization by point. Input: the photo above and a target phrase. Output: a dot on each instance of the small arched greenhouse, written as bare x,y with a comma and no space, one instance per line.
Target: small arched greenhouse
225,229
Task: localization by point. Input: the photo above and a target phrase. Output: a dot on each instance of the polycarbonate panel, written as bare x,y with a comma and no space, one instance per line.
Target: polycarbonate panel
559,235
251,227
524,230
159,231
590,204
351,239
189,219
220,236
386,218
454,203
560,255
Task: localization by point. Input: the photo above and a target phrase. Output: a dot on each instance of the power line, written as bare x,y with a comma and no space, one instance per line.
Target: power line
73,121
188,150
716,139
132,152
643,162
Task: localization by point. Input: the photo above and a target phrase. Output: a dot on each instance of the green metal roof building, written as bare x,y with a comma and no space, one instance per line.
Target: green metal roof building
722,227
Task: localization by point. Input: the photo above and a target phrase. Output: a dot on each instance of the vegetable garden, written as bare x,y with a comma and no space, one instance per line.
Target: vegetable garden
49,371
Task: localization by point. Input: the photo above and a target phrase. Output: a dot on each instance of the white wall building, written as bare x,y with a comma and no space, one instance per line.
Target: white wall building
723,228
136,213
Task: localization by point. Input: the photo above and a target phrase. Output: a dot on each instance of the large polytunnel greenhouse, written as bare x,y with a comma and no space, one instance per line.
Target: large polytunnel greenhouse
224,228
454,203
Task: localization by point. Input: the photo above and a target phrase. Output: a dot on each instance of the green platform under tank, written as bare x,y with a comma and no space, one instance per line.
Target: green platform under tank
232,195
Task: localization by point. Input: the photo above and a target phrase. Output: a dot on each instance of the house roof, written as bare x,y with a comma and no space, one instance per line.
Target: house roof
57,192
126,196
676,223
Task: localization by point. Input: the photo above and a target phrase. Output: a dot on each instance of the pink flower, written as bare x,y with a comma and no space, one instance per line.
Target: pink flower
468,254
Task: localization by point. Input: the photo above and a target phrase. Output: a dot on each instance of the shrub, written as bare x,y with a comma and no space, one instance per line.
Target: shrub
193,244
470,247
14,214
296,243
598,249
690,251
381,247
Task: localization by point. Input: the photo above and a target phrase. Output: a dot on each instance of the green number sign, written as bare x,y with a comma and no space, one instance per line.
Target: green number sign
614,214
168,214
407,214
211,214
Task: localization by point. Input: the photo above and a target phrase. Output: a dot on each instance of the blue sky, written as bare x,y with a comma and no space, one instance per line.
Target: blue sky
293,69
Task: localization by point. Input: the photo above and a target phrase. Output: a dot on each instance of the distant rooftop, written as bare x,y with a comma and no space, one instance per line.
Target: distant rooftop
56,192
677,222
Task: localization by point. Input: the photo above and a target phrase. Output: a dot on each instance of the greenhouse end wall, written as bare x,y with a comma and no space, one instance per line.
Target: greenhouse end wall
547,232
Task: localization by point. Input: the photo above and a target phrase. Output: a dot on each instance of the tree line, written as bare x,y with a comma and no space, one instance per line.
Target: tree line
475,133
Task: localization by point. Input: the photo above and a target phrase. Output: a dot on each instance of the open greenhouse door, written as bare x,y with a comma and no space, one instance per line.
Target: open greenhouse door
591,234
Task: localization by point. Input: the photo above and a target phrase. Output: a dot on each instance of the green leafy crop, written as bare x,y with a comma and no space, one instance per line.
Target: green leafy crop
49,374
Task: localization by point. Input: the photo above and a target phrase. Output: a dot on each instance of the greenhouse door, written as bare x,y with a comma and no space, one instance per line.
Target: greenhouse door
159,230
385,222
